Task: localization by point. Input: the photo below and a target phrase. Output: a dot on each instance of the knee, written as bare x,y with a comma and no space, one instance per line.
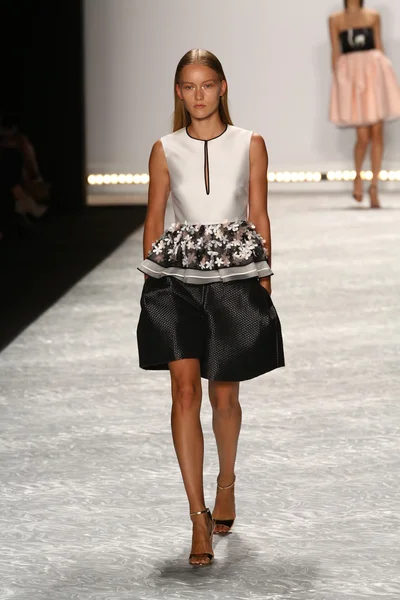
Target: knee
186,396
224,404
363,139
377,135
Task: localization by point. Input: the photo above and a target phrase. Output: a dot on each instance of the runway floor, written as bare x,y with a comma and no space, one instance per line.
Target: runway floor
92,506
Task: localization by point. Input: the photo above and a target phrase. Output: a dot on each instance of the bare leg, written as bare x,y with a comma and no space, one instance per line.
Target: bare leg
227,420
376,161
188,440
360,149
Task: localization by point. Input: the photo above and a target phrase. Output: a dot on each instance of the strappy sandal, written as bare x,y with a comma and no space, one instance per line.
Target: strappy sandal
357,197
374,204
227,523
207,555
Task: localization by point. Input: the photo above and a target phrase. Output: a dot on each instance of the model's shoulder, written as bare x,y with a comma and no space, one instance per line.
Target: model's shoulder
255,139
157,160
371,12
174,135
336,17
258,142
239,131
157,149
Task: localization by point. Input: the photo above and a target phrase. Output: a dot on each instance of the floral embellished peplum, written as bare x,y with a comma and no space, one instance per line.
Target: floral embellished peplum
208,253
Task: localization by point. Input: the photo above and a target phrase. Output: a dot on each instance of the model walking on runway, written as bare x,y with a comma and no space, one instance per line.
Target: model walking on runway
206,305
364,91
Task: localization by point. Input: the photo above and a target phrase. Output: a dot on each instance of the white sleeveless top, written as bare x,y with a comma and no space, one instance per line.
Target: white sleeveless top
212,241
209,179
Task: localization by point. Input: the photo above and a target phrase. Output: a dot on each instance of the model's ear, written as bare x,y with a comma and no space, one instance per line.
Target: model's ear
224,87
178,91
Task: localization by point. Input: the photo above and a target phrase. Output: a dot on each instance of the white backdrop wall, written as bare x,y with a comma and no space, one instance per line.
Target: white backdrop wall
276,56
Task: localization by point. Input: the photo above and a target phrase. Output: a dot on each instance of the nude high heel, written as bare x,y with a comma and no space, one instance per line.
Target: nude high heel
357,196
375,202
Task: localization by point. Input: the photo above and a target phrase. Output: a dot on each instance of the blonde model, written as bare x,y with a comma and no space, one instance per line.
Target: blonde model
206,305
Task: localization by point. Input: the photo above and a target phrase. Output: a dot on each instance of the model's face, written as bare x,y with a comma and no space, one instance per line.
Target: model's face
201,90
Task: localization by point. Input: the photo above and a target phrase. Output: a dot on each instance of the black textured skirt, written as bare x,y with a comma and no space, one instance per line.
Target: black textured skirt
232,328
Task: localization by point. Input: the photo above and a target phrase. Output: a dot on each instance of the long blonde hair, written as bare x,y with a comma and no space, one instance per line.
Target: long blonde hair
207,59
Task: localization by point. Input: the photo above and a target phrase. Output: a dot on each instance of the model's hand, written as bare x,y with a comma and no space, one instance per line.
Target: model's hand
266,283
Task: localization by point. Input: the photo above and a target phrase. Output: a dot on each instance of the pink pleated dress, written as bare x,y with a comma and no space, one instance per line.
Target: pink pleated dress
364,86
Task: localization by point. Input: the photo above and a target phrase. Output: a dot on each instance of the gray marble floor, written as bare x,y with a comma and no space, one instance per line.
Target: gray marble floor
92,506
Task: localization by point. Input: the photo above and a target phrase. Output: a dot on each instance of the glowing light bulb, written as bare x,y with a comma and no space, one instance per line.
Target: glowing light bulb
286,177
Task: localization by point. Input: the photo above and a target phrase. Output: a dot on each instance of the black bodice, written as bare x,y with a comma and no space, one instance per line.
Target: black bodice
357,40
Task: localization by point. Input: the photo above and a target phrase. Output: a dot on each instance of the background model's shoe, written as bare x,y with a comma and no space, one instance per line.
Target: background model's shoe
373,195
357,191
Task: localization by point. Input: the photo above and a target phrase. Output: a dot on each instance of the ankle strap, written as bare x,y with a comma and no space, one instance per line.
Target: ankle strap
226,487
200,512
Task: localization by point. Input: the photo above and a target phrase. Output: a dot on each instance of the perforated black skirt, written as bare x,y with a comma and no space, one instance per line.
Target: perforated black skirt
232,328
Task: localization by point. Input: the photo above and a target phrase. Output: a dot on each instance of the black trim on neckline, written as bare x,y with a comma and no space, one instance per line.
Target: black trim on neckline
211,139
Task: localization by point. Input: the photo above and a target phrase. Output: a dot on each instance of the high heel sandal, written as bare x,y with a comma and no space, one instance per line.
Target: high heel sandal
228,523
373,204
208,555
357,197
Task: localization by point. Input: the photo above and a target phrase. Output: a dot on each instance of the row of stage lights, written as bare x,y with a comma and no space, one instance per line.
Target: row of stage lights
315,177
115,179
278,177
288,177
350,175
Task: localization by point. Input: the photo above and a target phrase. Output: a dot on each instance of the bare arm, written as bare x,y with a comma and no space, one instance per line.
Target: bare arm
378,33
334,35
159,188
258,193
